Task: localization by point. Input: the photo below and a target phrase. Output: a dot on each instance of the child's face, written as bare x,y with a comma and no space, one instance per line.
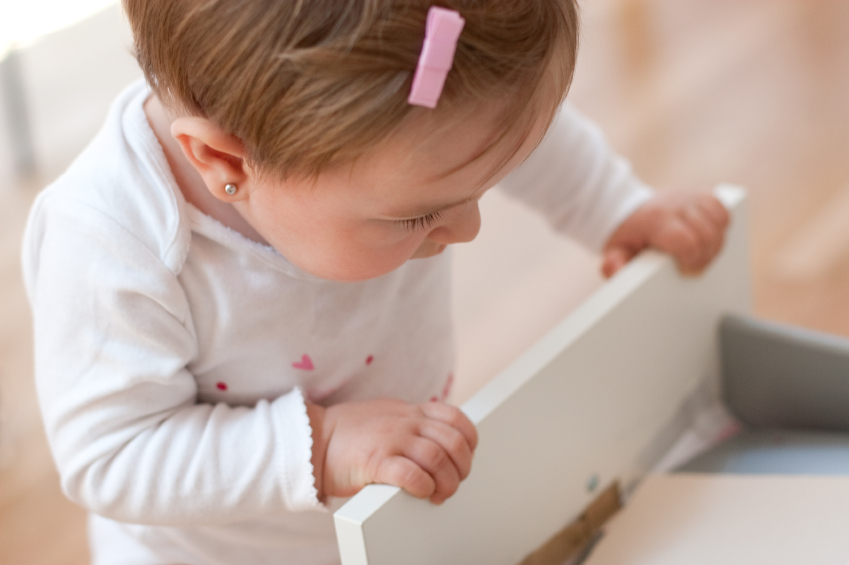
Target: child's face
409,198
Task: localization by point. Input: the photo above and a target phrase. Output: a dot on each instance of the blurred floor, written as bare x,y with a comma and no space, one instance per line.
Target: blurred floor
755,92
71,78
695,92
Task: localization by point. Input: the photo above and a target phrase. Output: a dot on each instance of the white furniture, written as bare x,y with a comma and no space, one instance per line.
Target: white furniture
599,400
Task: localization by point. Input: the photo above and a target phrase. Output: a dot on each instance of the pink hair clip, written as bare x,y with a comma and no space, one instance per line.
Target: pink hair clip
441,34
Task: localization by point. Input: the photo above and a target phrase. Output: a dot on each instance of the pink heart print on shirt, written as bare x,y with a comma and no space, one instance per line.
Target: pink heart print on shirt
304,364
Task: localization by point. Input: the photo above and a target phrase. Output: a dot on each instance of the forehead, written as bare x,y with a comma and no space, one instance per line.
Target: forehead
455,138
429,147
434,164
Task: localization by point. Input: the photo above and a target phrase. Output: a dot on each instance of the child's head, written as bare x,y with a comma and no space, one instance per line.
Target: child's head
309,86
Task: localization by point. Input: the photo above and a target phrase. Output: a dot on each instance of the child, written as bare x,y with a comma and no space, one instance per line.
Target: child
240,290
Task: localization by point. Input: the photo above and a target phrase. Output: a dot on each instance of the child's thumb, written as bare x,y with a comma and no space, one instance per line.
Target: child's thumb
614,258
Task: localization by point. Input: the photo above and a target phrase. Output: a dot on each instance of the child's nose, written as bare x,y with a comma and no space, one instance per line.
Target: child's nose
461,224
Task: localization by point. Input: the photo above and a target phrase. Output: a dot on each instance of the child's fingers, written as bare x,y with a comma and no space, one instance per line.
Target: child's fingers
454,417
710,218
401,472
703,225
430,456
614,259
718,214
690,227
706,234
714,209
682,242
710,230
453,442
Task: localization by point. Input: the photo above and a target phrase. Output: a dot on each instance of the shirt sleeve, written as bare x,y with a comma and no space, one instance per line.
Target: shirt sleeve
113,339
579,184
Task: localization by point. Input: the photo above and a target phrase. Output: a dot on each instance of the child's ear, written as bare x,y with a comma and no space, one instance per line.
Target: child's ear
215,154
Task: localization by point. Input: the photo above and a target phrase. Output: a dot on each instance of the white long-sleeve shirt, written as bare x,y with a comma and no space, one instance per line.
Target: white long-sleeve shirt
173,355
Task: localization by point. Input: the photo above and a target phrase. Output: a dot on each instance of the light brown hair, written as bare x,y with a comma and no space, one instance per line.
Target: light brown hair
306,83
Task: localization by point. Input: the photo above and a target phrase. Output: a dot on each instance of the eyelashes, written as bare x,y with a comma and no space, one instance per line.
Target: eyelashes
422,222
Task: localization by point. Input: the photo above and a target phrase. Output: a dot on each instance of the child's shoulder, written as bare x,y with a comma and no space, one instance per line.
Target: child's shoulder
121,183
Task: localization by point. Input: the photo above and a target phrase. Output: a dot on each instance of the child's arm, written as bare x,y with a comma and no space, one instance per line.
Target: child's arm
690,227
577,182
114,336
426,449
588,192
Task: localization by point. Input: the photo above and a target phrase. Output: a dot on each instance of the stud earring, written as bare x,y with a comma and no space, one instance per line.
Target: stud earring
231,189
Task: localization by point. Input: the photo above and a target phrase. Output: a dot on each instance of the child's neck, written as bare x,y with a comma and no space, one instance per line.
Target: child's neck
189,181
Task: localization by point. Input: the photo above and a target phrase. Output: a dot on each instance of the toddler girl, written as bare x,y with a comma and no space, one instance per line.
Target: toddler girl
240,289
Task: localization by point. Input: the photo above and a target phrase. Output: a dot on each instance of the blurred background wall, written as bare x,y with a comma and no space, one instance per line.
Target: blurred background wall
694,92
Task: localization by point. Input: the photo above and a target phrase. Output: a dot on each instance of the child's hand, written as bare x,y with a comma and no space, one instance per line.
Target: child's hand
690,227
426,449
